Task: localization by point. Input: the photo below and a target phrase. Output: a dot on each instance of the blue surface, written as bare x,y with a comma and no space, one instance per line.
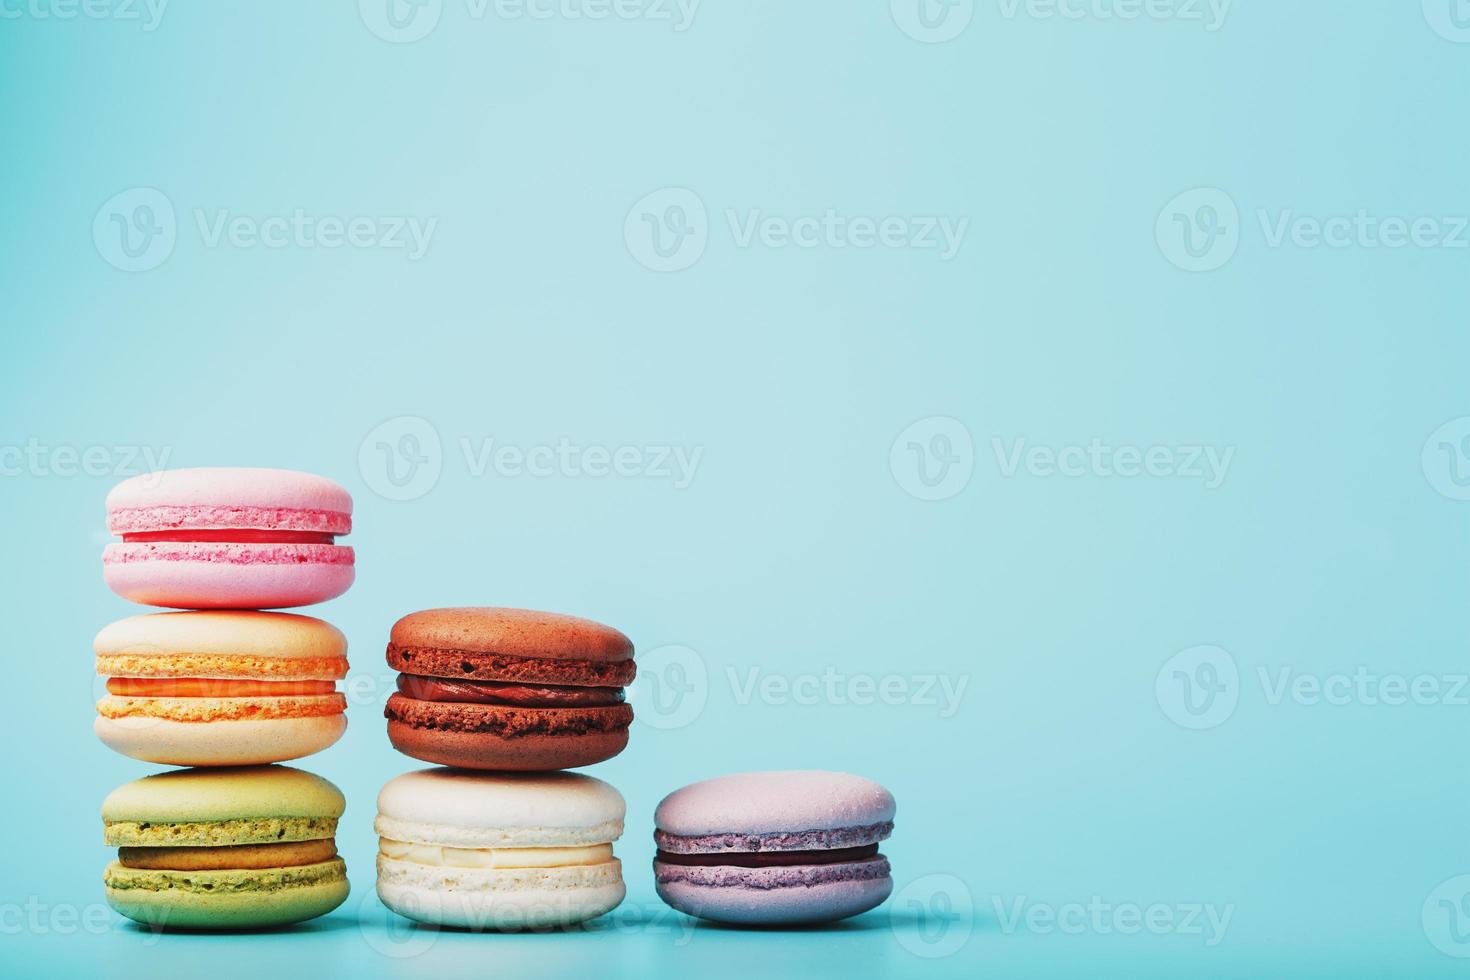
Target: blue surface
1137,210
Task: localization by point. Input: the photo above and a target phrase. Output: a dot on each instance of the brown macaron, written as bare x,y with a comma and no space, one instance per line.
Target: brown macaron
510,689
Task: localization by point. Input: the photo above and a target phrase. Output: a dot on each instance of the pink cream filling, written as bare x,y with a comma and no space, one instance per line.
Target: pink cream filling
233,535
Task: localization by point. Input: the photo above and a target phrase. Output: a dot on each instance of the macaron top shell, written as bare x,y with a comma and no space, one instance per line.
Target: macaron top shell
229,633
201,795
459,808
228,497
774,802
512,633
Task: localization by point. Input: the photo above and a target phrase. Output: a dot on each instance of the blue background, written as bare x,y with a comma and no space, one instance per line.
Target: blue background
1064,317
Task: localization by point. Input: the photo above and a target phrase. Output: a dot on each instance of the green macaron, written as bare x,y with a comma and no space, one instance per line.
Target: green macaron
232,848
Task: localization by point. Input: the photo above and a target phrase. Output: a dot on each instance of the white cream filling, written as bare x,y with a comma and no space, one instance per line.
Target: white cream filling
438,856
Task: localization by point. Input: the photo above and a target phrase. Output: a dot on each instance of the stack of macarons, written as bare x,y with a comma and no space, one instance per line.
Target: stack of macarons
503,701
224,684
510,697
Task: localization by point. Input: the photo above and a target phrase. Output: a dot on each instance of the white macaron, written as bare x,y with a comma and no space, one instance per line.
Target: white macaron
499,851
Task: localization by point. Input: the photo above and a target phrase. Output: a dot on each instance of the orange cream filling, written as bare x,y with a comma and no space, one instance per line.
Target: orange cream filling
227,858
222,709
213,687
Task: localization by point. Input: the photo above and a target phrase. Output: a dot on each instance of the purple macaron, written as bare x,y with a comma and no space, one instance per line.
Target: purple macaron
774,848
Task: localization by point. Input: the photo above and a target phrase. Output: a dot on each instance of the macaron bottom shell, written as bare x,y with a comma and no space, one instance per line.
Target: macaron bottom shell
226,899
238,576
499,900
794,904
219,743
520,753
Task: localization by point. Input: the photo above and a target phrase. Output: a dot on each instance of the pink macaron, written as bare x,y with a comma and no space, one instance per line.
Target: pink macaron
228,538
774,848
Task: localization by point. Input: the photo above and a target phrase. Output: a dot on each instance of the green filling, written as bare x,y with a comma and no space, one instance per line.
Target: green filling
224,882
219,833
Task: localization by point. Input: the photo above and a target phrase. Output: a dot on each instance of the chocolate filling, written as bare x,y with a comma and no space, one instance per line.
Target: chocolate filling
480,666
506,721
423,688
769,859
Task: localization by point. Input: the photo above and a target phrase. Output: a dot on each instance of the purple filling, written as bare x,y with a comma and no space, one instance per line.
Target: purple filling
764,879
801,840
